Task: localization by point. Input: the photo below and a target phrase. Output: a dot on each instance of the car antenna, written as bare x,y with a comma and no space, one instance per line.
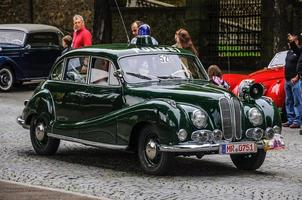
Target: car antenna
118,8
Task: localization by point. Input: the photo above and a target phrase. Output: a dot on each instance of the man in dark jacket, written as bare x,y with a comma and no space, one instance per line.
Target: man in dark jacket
293,101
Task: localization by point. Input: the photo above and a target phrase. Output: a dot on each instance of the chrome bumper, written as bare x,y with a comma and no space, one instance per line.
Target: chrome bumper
21,122
187,148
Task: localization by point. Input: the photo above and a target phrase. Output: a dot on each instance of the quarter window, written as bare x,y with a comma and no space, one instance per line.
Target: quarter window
76,70
57,72
102,72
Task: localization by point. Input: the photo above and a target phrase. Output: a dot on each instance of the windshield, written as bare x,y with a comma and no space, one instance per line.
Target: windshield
278,60
156,67
12,37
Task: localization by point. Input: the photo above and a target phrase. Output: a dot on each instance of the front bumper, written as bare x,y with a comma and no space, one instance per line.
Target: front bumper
274,144
21,122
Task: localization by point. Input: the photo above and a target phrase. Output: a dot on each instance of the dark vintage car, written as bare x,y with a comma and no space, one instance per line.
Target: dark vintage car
156,101
271,77
27,52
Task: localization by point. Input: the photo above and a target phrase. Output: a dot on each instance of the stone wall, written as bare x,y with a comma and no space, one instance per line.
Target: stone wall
55,12
163,21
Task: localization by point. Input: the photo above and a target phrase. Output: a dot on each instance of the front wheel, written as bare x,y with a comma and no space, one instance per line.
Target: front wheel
42,144
152,160
249,161
6,79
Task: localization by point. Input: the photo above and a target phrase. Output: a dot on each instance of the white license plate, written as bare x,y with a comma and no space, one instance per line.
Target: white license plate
233,148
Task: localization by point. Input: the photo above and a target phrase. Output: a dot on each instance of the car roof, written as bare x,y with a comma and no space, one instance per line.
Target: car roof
30,28
124,49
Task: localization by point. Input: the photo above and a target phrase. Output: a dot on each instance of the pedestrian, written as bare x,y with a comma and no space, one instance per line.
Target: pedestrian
81,36
134,27
66,43
215,75
144,31
293,100
183,40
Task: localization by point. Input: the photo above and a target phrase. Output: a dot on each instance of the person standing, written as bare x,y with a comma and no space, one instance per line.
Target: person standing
183,40
66,43
293,102
215,75
134,27
81,36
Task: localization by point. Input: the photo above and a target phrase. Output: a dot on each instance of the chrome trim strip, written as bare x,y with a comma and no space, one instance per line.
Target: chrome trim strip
21,122
91,143
187,148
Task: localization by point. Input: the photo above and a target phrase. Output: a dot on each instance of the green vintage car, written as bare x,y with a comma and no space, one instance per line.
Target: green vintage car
156,101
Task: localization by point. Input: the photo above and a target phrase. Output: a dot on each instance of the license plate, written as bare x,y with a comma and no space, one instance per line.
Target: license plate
236,148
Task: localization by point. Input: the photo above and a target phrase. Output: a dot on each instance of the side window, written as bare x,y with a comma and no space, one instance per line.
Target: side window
43,40
76,69
101,71
57,72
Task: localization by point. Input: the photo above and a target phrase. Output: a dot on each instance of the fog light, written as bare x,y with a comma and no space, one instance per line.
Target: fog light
269,133
254,133
182,135
257,133
277,129
217,134
201,136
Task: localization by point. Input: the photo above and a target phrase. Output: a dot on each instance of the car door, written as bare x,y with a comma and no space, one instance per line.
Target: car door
103,99
40,52
68,86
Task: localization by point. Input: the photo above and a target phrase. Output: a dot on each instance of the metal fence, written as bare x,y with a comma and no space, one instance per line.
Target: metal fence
235,32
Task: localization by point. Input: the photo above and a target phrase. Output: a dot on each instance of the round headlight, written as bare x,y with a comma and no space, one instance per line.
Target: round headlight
182,135
199,118
217,134
255,117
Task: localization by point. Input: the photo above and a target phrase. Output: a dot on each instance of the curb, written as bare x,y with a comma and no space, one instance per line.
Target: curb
22,191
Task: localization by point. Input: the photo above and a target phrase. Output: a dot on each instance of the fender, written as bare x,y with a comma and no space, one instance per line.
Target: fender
276,93
15,67
42,103
271,113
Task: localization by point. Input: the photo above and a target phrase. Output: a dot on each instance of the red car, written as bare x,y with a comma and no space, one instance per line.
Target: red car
271,77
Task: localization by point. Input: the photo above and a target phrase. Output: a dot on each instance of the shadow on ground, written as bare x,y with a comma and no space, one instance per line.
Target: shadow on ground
128,162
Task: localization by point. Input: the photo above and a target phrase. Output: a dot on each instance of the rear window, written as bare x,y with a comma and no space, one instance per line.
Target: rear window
43,39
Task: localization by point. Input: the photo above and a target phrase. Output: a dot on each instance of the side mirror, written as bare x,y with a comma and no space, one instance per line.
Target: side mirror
118,73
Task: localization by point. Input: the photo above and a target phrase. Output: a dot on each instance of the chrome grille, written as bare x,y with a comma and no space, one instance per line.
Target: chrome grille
237,117
226,118
230,118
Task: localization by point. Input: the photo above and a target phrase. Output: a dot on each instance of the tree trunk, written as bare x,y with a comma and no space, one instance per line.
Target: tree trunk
102,25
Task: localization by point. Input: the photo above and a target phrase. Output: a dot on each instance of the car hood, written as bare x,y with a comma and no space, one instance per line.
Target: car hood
267,74
200,93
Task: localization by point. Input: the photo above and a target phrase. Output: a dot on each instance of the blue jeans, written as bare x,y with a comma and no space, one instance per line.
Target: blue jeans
293,102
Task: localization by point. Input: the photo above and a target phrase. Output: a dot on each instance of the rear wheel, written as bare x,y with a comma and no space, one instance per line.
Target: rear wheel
249,161
6,79
42,144
152,160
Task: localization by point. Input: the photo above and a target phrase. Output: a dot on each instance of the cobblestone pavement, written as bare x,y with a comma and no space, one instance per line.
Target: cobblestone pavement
117,175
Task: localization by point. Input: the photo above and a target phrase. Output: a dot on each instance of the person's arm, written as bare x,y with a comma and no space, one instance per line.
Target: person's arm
87,39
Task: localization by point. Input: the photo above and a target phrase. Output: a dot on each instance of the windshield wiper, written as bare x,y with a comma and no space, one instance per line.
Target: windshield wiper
169,77
139,75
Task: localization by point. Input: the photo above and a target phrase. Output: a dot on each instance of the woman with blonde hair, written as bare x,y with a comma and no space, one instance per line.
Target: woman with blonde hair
215,75
183,40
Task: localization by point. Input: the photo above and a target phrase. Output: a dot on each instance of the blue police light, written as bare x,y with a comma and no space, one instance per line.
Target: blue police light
144,29
144,38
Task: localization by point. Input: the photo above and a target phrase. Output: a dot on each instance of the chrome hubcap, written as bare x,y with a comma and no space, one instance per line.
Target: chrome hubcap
40,131
151,149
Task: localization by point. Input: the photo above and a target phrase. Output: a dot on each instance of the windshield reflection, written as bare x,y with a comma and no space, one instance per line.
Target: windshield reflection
157,67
